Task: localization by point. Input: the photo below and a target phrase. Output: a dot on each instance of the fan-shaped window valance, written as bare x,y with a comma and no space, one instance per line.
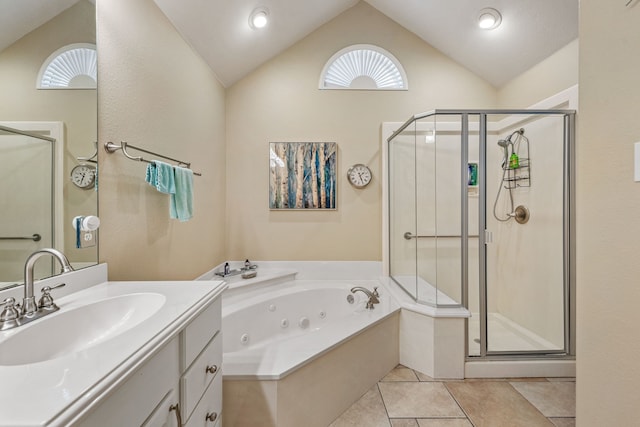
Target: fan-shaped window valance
364,67
72,67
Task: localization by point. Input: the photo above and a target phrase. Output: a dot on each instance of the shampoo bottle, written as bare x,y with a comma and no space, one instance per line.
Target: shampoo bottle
514,162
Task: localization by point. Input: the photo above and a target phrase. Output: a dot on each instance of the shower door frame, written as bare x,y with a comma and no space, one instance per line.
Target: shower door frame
568,220
53,133
568,352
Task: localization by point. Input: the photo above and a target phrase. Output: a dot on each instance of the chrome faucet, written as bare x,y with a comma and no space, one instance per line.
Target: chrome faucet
373,296
29,305
13,314
227,271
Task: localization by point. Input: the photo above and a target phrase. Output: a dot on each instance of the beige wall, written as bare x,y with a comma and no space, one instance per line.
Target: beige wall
550,76
280,101
21,101
608,201
155,92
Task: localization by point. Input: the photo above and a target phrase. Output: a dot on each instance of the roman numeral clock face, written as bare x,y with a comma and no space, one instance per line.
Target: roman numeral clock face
84,176
359,175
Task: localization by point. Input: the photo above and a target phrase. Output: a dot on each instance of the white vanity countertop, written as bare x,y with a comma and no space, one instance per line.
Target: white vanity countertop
58,391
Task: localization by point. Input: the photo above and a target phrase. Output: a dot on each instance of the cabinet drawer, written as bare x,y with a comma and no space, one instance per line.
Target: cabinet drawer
165,413
199,332
138,397
208,413
195,381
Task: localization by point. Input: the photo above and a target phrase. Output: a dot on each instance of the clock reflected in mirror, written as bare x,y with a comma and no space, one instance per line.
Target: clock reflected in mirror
359,175
84,176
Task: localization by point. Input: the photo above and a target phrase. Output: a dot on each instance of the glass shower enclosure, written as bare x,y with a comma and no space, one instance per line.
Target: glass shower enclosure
27,192
480,215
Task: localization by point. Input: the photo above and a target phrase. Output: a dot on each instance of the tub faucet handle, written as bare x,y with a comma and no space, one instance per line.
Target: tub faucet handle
375,292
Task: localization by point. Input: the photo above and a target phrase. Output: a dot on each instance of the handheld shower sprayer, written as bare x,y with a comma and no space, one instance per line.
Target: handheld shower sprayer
510,161
504,143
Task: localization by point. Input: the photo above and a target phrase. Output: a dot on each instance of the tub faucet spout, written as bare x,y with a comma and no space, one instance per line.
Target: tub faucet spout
373,296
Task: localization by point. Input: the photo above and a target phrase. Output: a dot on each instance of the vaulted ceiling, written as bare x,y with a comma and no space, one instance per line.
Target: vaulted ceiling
531,30
218,30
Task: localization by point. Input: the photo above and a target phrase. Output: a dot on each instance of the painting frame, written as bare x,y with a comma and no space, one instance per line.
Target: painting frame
303,176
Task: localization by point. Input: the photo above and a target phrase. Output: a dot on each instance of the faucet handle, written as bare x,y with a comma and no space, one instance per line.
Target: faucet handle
46,300
10,312
375,291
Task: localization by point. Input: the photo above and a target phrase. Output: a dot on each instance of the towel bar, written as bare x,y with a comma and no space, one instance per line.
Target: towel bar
110,147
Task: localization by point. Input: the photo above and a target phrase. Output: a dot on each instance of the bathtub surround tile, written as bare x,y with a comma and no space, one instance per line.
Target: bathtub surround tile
496,404
553,399
444,422
401,373
249,403
367,411
418,400
317,393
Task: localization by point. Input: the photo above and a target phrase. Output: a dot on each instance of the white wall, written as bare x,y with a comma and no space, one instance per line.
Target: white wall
155,92
550,76
608,230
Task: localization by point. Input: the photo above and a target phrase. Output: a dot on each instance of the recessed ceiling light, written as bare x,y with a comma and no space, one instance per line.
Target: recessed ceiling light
259,18
489,18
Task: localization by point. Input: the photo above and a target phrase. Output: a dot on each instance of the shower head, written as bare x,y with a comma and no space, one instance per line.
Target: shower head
504,143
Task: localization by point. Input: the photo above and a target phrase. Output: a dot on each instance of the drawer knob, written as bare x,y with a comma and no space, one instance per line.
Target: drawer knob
212,369
212,417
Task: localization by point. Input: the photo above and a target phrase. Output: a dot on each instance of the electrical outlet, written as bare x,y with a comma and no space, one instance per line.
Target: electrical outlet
87,239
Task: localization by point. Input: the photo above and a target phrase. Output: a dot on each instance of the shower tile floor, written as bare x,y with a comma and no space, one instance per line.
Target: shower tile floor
408,398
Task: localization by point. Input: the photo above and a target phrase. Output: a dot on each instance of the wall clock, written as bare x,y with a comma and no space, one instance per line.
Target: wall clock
359,175
84,176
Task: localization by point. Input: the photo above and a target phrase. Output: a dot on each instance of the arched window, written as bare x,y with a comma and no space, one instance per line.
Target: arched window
71,67
363,67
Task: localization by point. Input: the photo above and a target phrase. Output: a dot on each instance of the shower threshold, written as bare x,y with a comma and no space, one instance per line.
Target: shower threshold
506,335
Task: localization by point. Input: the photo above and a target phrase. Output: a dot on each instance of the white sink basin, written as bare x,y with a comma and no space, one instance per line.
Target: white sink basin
77,329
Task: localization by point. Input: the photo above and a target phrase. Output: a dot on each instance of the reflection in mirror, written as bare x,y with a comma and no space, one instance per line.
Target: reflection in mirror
39,196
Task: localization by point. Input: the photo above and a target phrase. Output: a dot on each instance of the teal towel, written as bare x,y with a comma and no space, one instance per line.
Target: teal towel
181,205
160,175
165,181
152,176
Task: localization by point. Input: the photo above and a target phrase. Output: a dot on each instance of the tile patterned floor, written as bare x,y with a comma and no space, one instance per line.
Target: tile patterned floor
407,398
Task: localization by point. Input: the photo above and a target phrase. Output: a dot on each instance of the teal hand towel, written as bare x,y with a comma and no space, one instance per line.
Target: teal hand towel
181,206
152,176
165,181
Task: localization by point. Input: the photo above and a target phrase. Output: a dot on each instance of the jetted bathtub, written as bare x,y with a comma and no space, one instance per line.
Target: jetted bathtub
268,333
299,354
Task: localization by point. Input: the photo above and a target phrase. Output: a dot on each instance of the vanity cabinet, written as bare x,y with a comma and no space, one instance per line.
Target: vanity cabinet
201,366
185,373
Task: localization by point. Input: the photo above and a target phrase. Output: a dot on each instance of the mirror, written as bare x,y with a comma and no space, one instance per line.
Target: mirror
40,199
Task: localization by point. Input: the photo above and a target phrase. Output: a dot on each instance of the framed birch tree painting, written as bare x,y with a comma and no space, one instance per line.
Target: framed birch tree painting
302,175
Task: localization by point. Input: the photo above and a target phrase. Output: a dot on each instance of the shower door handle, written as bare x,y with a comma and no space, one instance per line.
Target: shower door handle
410,236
